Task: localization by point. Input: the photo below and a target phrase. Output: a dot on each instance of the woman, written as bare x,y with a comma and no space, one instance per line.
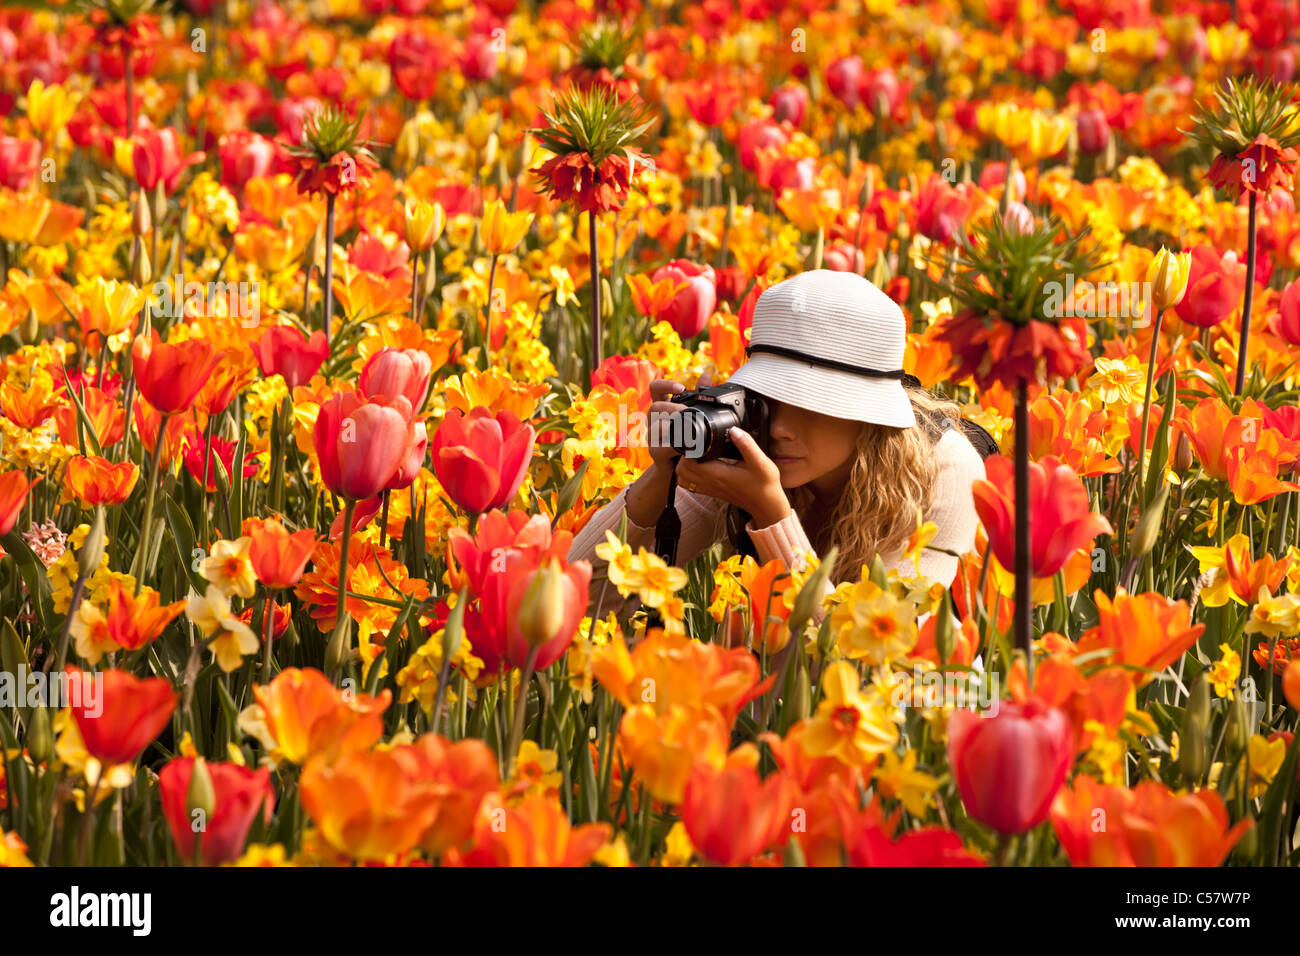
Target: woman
853,452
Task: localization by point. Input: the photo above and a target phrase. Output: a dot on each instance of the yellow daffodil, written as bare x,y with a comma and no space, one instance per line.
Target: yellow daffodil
849,725
1224,673
900,780
230,568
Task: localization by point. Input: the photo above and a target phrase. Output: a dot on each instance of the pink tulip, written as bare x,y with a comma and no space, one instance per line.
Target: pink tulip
759,134
575,581
789,104
1094,131
361,444
1286,323
880,86
1215,286
410,467
689,311
844,77
394,372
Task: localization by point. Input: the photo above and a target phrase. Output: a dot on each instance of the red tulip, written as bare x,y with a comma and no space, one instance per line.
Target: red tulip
478,59
394,372
690,309
244,155
552,627
843,257
880,87
118,714
238,792
1286,323
19,161
621,372
941,209
759,134
481,460
1215,285
218,450
361,444
283,350
1094,131
170,377
1008,767
789,104
157,158
732,816
844,77
1061,519
417,60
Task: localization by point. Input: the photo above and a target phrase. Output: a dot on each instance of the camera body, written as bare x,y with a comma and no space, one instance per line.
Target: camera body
699,431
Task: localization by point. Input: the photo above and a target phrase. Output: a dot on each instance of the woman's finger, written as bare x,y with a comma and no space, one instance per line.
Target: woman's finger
661,388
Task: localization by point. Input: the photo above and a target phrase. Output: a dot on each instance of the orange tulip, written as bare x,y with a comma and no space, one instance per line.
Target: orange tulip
663,747
651,297
148,422
1291,684
29,407
306,717
1142,630
1146,826
98,481
230,376
14,487
107,418
535,832
464,772
369,805
1213,431
171,376
278,557
134,620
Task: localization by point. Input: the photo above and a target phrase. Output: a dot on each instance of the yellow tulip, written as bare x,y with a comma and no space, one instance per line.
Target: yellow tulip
479,128
48,107
423,224
1167,277
501,231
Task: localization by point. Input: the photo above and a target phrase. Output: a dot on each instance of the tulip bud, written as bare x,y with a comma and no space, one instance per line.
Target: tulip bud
809,597
1193,751
1148,529
1167,277
1182,454
408,145
606,300
423,224
201,795
141,217
40,737
541,613
489,153
31,328
793,855
93,548
1248,845
479,128
1237,732
141,270
1198,702
879,576
943,629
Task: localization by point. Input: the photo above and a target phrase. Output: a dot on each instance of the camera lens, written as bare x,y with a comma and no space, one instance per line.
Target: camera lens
699,430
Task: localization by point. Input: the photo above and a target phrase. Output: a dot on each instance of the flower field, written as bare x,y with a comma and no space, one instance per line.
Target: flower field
326,326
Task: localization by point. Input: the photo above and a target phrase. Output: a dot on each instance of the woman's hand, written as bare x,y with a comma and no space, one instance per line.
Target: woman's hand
753,483
658,415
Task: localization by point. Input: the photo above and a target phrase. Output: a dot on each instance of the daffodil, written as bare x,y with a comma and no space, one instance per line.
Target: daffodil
850,726
230,568
231,638
1224,673
899,779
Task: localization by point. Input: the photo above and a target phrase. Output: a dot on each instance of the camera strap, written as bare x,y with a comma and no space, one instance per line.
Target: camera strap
668,531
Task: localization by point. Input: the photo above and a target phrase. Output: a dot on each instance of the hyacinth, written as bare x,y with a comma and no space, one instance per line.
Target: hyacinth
1253,130
332,157
591,134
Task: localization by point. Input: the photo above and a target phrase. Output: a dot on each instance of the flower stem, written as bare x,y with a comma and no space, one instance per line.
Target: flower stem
487,328
329,266
142,546
1250,298
521,709
1024,582
334,653
597,354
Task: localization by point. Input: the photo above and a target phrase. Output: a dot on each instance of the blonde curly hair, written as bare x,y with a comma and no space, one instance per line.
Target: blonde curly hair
893,474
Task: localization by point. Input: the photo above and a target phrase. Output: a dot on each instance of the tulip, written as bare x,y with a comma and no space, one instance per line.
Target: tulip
1009,767
410,466
278,557
423,224
171,376
1167,275
844,77
1215,285
360,444
283,350
157,158
301,716
245,155
689,311
481,460
1093,131
237,795
732,816
1061,518
121,714
467,771
1286,323
941,209
789,104
392,372
880,91
500,230
19,162
1291,685
534,832
98,481
1018,218
544,610
14,487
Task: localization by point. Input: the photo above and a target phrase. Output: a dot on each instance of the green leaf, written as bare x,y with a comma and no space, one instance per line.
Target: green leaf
183,538
32,570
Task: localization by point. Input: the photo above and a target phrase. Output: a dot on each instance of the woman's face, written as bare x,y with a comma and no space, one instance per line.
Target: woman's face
811,448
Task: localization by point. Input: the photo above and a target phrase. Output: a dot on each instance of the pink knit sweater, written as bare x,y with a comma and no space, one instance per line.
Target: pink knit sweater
952,509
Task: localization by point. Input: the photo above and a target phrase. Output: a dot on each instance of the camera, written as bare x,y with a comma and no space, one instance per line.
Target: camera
699,431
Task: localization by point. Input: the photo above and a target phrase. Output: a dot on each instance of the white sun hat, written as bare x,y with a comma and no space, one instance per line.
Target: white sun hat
833,343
